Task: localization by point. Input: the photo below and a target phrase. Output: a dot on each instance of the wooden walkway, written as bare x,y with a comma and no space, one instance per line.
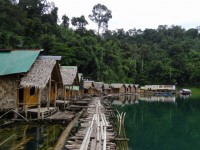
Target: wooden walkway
95,133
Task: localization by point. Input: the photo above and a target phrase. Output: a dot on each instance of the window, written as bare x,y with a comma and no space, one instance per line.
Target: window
32,91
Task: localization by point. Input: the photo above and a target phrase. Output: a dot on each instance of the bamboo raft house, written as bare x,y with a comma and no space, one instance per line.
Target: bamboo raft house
106,89
89,88
40,85
13,65
118,88
128,88
70,80
98,88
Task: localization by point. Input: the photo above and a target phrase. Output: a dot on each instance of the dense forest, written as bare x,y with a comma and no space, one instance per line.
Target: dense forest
166,55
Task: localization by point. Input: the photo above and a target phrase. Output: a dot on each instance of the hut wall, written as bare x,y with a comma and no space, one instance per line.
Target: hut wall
53,93
133,90
128,89
31,96
122,89
7,92
137,90
60,93
44,94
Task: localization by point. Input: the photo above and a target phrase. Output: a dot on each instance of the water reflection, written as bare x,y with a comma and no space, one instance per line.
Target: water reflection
29,137
166,123
135,99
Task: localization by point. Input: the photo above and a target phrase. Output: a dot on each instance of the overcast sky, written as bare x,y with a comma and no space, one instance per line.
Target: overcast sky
139,14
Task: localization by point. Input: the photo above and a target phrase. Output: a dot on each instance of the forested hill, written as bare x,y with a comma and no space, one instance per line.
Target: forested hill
154,56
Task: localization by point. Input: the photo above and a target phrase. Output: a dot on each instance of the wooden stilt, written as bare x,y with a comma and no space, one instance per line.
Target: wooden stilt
69,92
49,92
64,95
26,114
56,93
39,103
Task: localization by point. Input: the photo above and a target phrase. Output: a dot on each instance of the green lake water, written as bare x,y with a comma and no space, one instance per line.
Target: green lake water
161,123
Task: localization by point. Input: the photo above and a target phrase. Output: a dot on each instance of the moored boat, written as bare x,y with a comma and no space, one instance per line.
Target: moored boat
185,91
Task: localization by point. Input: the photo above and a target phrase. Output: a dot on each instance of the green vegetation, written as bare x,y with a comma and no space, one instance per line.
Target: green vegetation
166,55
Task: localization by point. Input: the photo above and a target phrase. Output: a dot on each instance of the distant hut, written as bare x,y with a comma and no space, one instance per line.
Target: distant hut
106,89
40,85
70,81
137,88
88,87
118,88
98,88
133,88
128,88
13,65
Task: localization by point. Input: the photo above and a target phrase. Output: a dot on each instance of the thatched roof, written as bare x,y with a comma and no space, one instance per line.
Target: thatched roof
68,74
128,85
39,74
87,84
116,85
106,86
98,85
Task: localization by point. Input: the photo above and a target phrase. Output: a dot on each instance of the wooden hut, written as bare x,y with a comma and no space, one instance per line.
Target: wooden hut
70,82
137,88
98,88
128,88
118,88
106,89
13,65
40,86
89,88
133,88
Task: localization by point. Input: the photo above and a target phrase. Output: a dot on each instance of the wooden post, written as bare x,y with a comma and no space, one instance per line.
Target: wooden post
39,103
69,92
64,94
72,91
49,98
16,100
26,115
56,92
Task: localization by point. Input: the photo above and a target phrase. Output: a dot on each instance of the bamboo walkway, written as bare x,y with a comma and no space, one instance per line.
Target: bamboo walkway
95,132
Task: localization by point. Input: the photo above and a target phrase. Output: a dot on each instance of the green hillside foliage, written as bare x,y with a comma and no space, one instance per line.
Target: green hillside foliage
166,55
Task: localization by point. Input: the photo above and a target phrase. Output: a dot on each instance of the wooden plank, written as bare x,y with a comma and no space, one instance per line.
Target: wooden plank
93,144
104,142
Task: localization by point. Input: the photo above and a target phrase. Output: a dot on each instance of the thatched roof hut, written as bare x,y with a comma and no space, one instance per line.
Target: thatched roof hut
118,88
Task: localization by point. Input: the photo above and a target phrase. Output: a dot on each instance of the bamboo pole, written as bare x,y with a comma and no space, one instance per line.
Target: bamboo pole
65,96
56,93
16,99
39,103
49,92
10,137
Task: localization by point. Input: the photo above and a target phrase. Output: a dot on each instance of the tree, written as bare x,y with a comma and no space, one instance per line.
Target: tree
101,15
79,22
65,21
